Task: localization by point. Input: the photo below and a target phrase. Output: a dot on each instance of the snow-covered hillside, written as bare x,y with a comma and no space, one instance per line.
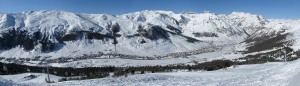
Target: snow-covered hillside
49,36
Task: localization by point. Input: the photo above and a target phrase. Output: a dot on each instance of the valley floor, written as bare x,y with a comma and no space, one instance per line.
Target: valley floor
273,73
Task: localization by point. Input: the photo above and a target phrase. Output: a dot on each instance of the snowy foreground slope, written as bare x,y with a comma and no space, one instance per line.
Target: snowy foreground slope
274,73
4,82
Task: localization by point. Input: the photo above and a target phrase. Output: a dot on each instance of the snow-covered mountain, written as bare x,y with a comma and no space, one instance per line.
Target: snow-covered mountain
150,34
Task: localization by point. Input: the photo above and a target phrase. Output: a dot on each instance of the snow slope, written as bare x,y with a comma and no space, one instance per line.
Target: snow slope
32,78
5,82
274,73
290,26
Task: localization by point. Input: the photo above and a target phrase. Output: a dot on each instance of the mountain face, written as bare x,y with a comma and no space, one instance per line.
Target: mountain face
52,35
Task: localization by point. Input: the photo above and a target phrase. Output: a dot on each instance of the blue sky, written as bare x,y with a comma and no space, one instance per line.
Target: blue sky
288,9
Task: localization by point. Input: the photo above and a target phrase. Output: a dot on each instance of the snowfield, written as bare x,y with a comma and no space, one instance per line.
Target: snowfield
273,73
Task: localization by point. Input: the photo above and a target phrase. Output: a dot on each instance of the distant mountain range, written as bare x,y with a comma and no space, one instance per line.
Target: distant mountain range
59,36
